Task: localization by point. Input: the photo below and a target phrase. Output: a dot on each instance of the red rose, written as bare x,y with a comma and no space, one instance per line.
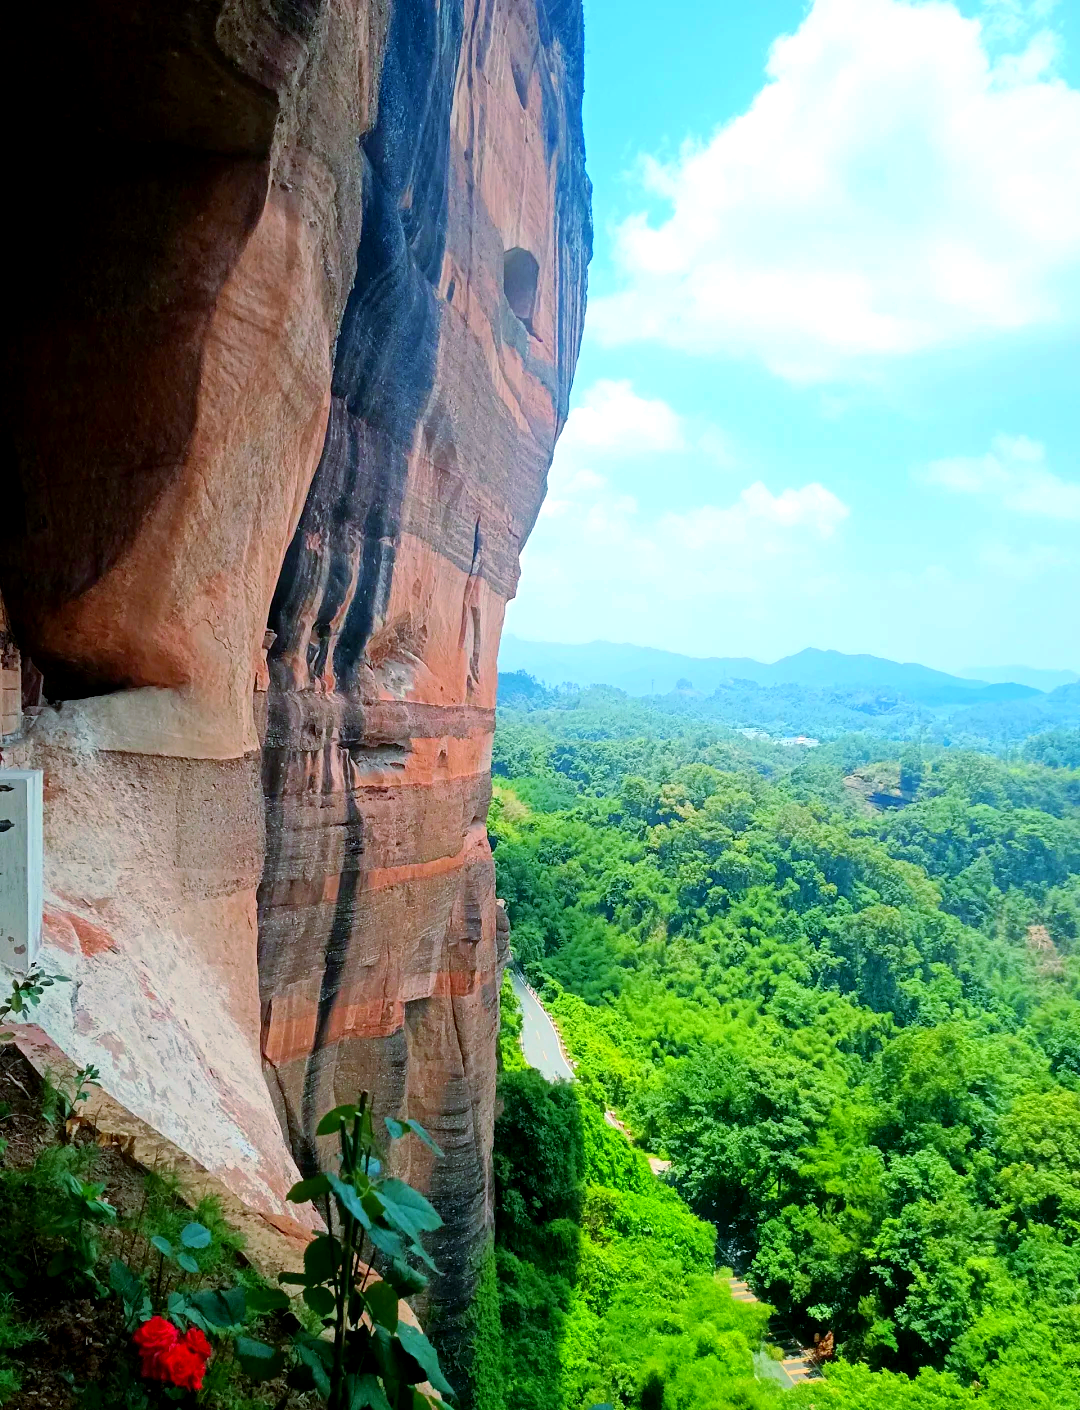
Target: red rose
198,1343
154,1339
156,1335
183,1366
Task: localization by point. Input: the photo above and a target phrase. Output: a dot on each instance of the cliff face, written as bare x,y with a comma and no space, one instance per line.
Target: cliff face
283,377
379,954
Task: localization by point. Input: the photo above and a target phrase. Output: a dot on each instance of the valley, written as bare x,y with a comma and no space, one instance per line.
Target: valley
853,1030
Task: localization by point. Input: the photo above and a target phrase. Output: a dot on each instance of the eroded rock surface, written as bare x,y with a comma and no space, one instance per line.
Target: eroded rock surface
284,367
379,961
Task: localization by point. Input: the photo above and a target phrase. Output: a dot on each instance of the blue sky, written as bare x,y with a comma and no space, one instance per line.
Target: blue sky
829,392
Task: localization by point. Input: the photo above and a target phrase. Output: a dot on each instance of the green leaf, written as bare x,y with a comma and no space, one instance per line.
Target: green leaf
322,1350
317,1356
404,1280
386,1350
299,1280
408,1207
195,1236
321,1300
311,1189
187,1263
382,1303
162,1245
386,1241
124,1282
365,1393
179,1311
330,1123
258,1361
221,1309
131,1291
322,1258
349,1200
266,1300
398,1129
429,1141
422,1351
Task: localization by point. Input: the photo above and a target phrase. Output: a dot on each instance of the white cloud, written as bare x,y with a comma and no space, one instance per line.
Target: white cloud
1013,475
758,519
894,188
600,563
612,417
612,425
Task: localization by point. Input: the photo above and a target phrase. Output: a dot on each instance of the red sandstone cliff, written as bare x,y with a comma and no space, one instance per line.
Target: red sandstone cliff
290,348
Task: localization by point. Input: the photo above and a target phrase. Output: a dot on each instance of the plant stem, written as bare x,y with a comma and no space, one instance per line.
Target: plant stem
341,1281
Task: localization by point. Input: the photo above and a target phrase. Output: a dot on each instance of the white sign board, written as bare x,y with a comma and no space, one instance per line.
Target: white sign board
22,850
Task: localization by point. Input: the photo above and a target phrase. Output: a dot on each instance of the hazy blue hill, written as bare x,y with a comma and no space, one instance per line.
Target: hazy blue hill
641,670
833,670
1023,675
1004,721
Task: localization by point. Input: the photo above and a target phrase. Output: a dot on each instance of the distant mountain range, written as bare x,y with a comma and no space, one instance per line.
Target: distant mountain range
1023,675
643,670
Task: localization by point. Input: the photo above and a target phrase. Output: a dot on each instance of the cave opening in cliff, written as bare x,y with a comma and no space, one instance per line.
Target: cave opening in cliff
520,275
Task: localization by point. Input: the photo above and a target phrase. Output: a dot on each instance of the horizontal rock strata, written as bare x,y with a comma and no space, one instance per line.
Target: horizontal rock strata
379,954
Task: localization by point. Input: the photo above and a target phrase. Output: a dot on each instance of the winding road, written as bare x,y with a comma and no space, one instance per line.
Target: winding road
539,1038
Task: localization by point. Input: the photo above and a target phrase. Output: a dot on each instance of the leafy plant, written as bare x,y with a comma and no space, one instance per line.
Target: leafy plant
60,1101
367,1358
131,1291
73,1220
27,994
193,1236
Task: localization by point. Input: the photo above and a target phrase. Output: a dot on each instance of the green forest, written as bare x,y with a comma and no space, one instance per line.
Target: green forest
839,990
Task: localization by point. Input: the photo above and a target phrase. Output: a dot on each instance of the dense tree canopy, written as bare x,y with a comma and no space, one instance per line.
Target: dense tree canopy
840,990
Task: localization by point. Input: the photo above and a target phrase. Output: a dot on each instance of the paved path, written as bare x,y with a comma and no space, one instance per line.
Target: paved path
539,1037
796,1366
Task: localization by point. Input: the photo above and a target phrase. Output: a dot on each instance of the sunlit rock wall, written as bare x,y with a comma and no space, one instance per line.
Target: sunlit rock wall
283,368
379,955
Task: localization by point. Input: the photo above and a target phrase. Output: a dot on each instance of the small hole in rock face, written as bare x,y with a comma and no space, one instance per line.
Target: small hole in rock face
520,275
521,84
450,288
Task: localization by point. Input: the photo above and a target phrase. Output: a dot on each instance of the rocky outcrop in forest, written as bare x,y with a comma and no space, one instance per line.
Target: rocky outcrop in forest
284,368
